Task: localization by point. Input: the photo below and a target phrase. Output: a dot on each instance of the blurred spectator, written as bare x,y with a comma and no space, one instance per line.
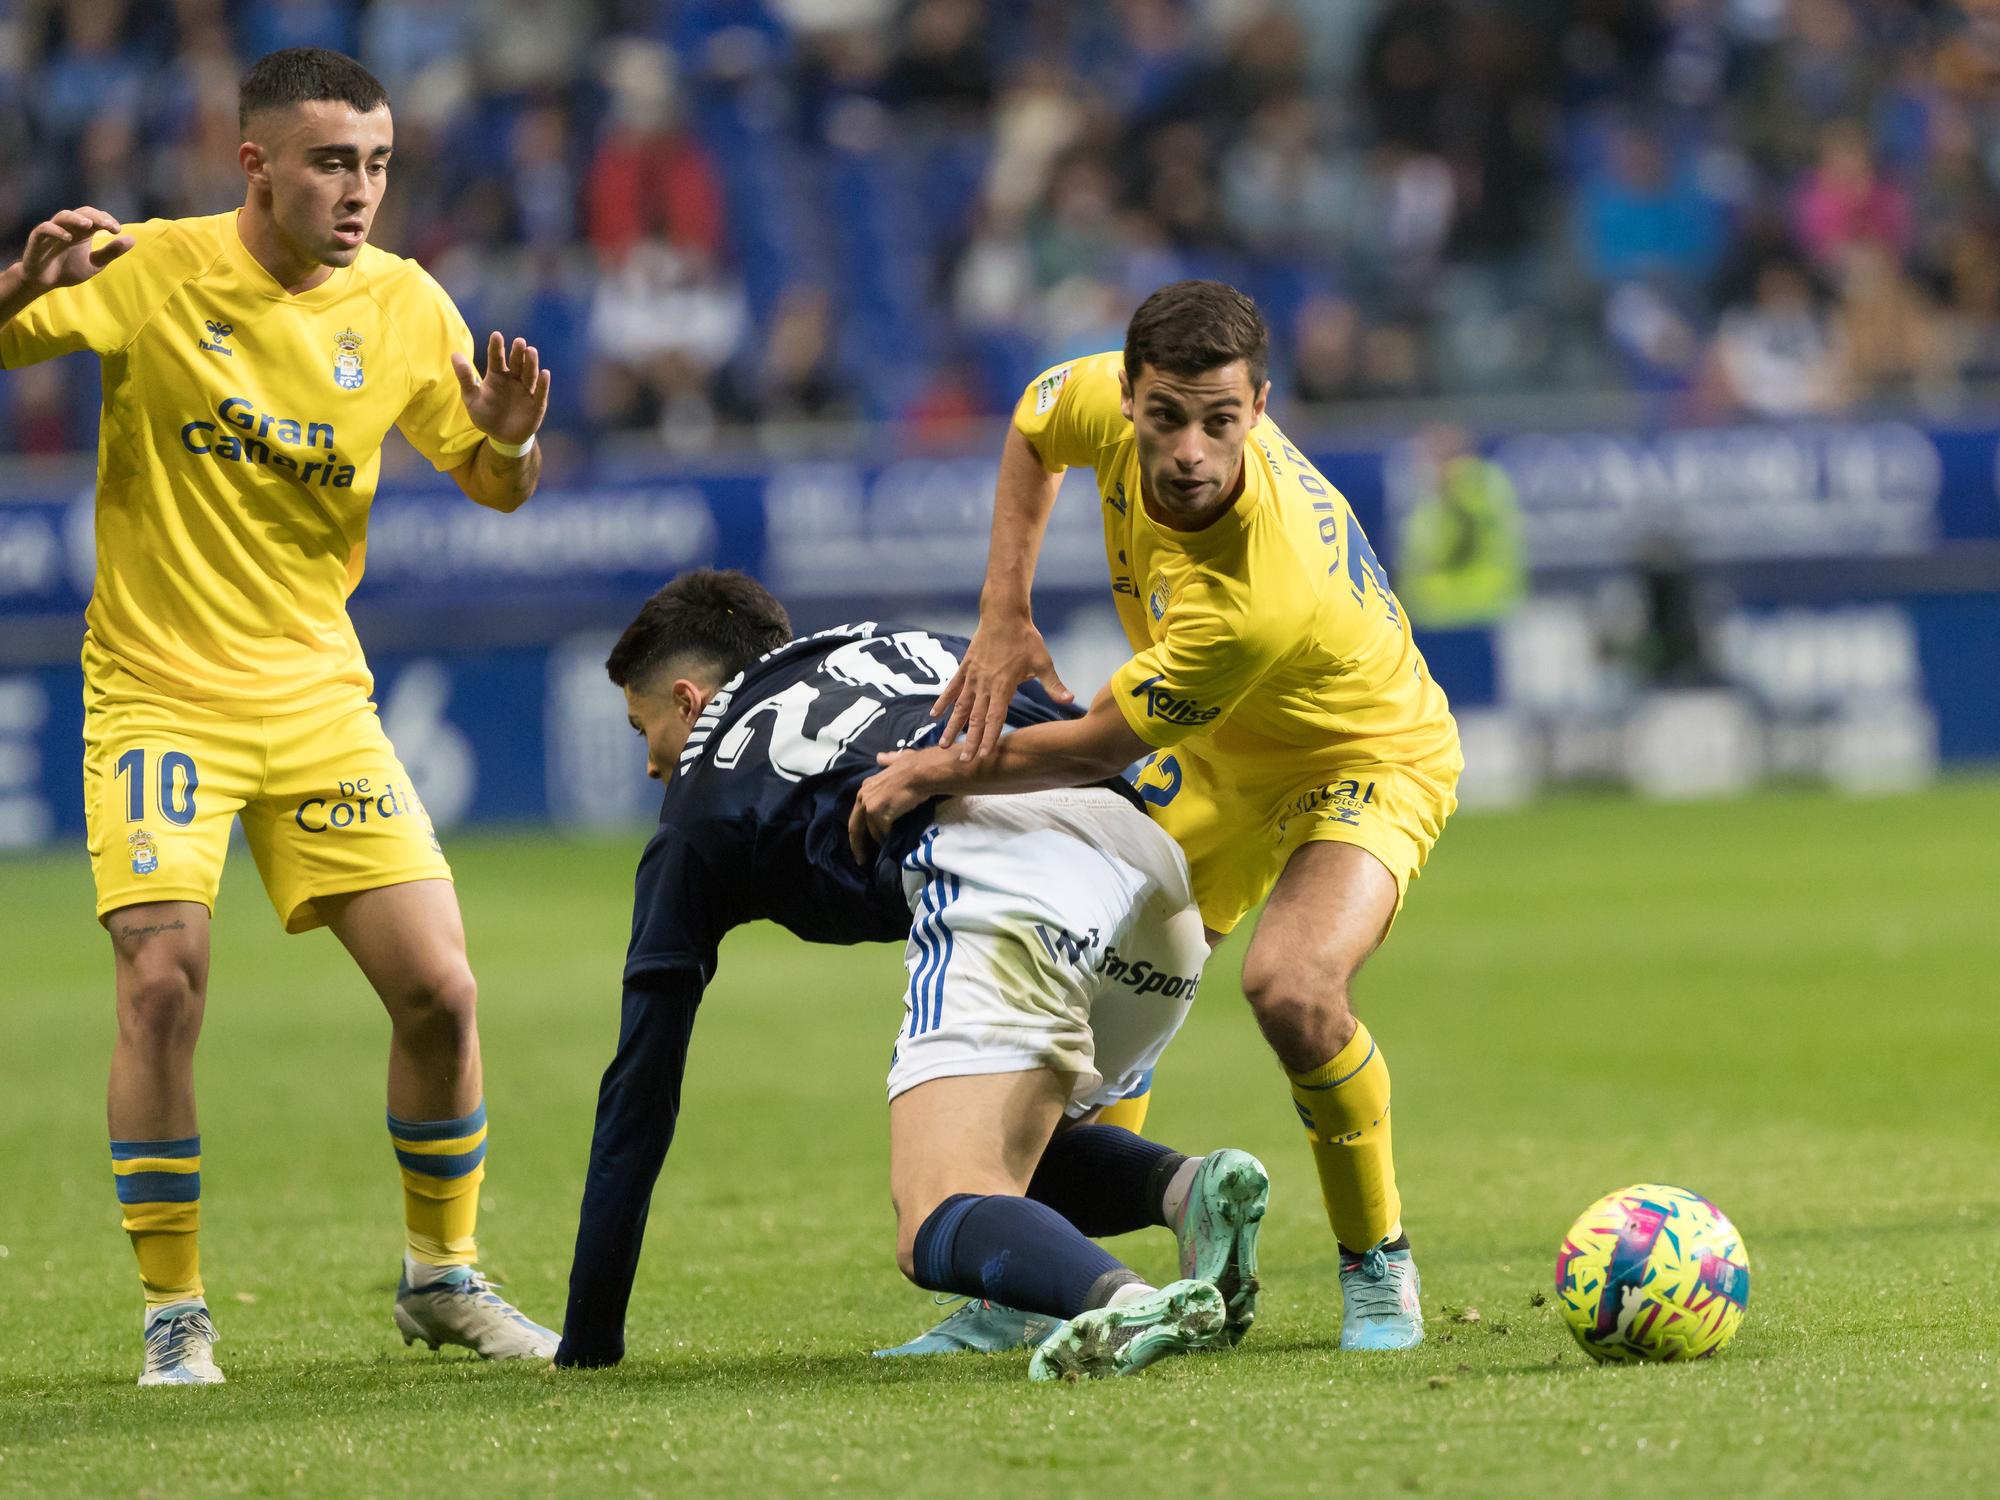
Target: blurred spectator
1648,216
1890,332
662,324
1845,201
1778,356
1461,560
794,377
943,64
1431,197
1327,353
1407,71
649,177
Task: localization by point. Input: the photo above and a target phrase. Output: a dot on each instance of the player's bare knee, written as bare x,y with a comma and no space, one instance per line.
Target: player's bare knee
160,1003
1305,1017
437,1010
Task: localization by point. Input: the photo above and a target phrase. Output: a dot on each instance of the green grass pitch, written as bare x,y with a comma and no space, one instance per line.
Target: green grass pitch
1790,1004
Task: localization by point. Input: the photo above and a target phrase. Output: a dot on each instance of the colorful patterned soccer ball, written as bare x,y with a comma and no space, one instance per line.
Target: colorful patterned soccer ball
1652,1273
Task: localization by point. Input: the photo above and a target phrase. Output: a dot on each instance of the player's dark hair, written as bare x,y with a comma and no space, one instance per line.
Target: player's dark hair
1191,327
718,617
306,75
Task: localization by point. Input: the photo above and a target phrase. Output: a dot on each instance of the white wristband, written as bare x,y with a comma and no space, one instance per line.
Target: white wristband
510,450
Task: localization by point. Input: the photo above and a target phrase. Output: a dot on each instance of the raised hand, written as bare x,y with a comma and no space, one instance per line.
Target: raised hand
510,401
1006,651
59,252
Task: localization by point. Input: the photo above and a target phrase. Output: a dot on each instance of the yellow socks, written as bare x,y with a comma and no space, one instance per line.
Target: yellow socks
1345,1106
1129,1113
159,1187
443,1163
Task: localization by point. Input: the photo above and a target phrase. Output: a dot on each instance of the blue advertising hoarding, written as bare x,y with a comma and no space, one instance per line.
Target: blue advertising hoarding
487,631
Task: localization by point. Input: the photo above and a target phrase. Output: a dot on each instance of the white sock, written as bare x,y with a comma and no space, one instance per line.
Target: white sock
1128,1291
1173,1203
421,1273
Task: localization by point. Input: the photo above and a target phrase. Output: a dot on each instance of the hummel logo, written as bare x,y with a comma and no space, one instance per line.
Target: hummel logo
217,333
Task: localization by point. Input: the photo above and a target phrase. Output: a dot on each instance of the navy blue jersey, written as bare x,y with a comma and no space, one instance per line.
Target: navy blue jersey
754,824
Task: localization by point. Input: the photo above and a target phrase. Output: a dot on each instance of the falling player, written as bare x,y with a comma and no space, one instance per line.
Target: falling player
253,363
1297,746
1053,948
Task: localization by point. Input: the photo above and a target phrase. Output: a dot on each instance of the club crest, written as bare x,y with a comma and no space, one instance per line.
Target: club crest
145,856
347,360
1158,595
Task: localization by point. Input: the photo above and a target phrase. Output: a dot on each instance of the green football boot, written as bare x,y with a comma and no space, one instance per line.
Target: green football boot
1123,1340
1218,1232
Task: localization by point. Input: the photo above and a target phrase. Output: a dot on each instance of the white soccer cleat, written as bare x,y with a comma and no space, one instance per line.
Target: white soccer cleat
461,1307
179,1339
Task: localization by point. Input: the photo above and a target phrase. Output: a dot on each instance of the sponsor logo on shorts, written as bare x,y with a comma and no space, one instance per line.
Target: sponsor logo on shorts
1161,704
145,854
1138,974
356,804
1340,802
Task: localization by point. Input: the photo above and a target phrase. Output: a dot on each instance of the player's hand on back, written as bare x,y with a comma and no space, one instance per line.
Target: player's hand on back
1005,652
510,400
59,251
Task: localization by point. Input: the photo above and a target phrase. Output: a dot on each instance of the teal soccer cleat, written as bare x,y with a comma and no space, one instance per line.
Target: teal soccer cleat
979,1327
178,1341
1379,1294
462,1307
1126,1339
1218,1233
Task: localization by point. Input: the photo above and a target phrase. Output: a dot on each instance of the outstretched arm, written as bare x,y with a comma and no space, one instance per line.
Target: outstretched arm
1070,752
507,404
1006,650
58,254
638,1104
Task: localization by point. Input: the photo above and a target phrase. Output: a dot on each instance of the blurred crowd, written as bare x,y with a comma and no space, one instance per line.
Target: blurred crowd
747,214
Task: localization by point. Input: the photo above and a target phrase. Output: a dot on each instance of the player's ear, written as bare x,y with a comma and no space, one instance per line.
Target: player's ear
689,698
256,163
1125,392
1257,406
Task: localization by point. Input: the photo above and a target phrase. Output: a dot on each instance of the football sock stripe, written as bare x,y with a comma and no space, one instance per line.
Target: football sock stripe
1344,1104
159,1193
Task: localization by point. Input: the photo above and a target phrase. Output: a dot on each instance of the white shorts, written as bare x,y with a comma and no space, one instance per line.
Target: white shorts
1050,930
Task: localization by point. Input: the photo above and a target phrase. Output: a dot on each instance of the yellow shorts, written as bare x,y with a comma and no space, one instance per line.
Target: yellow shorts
1238,821
326,806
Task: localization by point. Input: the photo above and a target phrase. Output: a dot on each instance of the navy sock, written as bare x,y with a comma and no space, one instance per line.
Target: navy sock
1104,1179
1015,1252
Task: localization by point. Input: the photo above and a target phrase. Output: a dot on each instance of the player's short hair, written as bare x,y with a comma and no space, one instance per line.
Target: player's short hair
306,75
718,618
1190,327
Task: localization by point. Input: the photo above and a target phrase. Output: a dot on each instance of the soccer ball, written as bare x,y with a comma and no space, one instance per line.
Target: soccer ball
1652,1273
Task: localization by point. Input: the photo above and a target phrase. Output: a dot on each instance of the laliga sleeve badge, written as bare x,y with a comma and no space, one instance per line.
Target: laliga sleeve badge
145,856
347,360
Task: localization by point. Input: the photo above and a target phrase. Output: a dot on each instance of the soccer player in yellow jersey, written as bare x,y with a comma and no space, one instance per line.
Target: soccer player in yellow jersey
1295,745
253,362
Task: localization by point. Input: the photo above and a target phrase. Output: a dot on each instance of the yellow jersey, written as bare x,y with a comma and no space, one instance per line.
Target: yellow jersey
1270,633
239,448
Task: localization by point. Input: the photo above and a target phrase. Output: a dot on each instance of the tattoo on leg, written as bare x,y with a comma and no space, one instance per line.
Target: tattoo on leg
136,934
